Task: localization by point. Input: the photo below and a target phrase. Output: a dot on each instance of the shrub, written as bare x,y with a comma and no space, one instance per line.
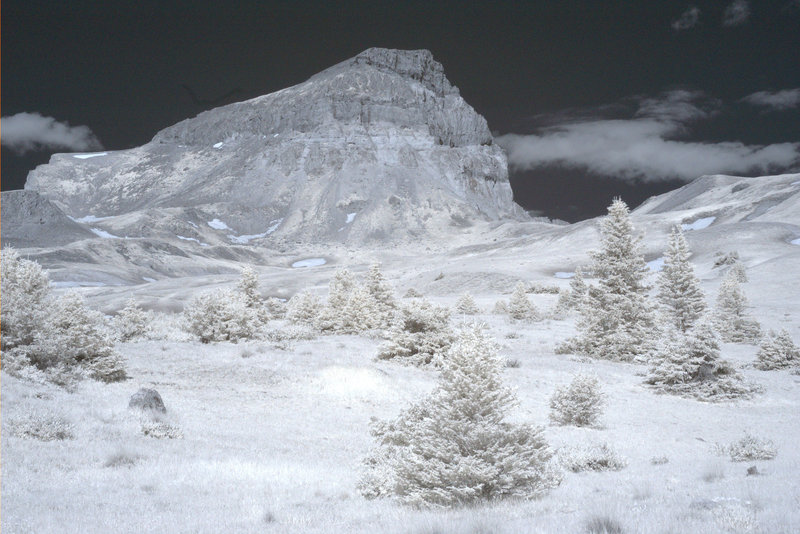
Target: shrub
466,305
75,335
421,334
248,286
454,447
26,295
690,365
42,427
579,404
731,320
222,315
303,308
601,524
777,351
750,448
594,458
132,322
520,308
276,307
412,294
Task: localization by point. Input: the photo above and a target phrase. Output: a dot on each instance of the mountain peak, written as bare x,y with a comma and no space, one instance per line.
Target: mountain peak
378,147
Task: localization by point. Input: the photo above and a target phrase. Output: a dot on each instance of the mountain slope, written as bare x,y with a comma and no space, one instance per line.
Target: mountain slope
379,147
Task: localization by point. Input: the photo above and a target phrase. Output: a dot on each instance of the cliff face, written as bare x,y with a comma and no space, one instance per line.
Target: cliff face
378,147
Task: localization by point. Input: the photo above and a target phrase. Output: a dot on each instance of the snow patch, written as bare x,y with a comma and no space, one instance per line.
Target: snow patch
274,225
148,279
309,262
193,239
87,156
216,224
244,239
795,241
699,224
350,217
102,233
796,183
89,219
563,274
218,145
657,264
193,224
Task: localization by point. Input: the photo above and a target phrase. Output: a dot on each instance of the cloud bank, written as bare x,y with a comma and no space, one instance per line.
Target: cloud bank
688,19
26,132
646,146
777,100
736,13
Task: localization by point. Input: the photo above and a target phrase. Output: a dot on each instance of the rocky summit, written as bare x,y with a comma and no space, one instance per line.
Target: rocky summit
378,148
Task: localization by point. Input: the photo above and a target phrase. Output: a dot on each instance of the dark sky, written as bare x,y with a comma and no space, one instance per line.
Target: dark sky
606,97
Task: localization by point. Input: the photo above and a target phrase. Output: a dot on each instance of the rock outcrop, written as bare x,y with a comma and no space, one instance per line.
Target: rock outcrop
379,147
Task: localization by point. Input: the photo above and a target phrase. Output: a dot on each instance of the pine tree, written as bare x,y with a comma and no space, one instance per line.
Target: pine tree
520,308
689,364
679,289
466,305
420,335
572,298
580,403
248,286
777,351
382,294
455,447
616,320
339,291
732,321
223,315
304,308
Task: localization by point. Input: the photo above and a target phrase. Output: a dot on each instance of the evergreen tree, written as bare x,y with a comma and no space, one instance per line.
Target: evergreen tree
579,404
574,297
777,351
248,286
304,308
689,364
679,289
420,335
731,319
382,294
520,308
455,446
25,299
339,291
616,322
466,305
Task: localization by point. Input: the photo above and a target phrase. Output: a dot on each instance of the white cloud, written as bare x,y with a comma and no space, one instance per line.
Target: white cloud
777,100
688,19
736,13
646,146
25,132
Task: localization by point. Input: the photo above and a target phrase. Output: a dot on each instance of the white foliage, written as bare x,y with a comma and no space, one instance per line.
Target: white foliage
520,308
616,321
420,335
354,308
777,351
248,286
689,364
223,315
574,297
454,447
580,403
600,457
733,322
132,322
750,448
25,296
304,308
679,293
466,305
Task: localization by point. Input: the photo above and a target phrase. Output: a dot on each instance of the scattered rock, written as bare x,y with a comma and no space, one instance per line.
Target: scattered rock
147,399
752,471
